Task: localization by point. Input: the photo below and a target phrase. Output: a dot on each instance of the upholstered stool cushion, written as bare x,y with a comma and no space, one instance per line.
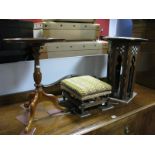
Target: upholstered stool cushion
85,87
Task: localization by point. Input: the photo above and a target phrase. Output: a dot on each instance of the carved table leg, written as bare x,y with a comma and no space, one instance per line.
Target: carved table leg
39,94
32,111
30,98
54,99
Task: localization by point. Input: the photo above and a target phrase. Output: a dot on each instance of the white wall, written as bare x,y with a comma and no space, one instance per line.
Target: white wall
113,27
120,27
18,77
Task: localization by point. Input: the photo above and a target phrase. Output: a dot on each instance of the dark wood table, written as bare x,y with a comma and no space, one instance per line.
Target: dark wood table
122,58
39,94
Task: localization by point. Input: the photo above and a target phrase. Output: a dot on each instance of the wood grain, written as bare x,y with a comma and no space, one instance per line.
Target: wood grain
145,63
141,109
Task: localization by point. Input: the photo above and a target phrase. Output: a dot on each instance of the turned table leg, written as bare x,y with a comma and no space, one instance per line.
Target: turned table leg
32,111
30,98
39,94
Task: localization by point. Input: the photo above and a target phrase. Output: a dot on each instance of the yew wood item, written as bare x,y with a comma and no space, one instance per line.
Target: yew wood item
39,94
122,57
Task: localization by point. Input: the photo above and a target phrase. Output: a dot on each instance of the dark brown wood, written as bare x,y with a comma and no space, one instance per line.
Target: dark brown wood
136,122
32,41
39,94
134,118
83,108
122,65
146,78
146,64
124,39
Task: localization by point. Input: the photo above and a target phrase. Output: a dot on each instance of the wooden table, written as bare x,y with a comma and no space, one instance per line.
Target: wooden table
122,57
134,118
39,95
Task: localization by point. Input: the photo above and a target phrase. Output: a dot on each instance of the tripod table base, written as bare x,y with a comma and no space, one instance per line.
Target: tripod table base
34,111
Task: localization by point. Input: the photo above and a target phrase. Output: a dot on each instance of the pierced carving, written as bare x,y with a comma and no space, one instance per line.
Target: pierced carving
122,66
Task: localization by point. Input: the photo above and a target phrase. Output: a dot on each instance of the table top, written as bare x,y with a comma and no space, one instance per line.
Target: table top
124,39
32,40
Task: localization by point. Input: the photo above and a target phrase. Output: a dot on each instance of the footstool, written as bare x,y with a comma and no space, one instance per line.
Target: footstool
84,92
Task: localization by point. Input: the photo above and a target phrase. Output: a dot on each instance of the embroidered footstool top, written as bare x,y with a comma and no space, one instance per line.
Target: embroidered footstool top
85,87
